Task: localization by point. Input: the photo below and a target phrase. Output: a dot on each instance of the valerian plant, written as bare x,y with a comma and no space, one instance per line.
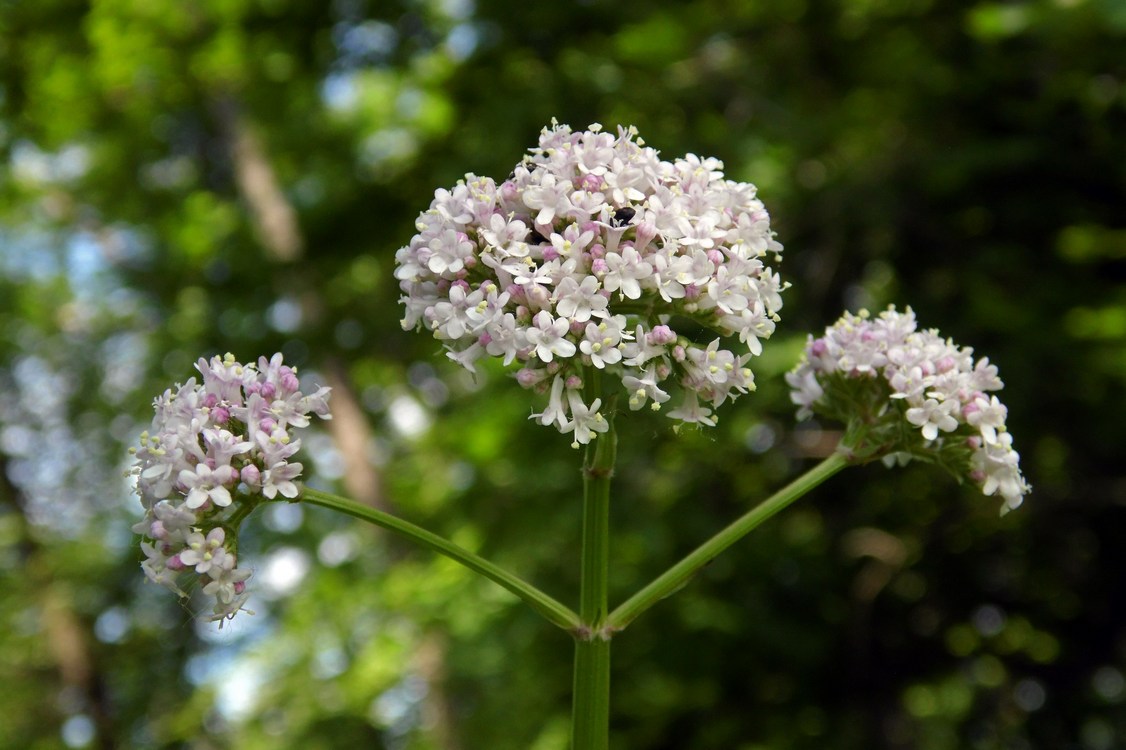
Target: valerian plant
589,272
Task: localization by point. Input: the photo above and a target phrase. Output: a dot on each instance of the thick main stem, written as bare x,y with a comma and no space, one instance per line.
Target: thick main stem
678,574
591,707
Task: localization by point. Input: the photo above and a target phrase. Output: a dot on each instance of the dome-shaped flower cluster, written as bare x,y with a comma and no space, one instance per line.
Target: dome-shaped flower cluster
595,253
907,393
214,451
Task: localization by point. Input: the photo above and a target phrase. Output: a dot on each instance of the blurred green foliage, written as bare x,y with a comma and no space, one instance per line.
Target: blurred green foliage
188,178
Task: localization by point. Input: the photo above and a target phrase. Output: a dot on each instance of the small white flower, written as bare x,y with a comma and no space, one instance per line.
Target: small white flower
547,337
714,365
227,587
155,567
806,391
998,465
601,343
585,420
692,412
203,552
572,242
550,198
579,301
625,271
933,416
988,415
729,292
448,252
556,412
505,339
203,484
644,388
506,235
278,479
450,318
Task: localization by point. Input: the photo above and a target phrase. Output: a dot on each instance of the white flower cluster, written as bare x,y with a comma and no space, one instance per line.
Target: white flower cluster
214,451
927,381
587,256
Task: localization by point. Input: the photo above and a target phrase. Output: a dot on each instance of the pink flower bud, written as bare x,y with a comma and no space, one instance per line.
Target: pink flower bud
660,335
527,378
539,297
574,382
251,475
591,183
225,475
646,231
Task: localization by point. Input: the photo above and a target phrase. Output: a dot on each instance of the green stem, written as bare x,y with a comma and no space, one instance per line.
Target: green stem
590,713
551,609
591,709
678,574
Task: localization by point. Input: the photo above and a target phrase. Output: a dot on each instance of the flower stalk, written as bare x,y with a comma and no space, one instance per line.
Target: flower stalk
554,611
676,576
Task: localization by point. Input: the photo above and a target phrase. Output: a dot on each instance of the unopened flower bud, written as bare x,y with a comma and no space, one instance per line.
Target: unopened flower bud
251,475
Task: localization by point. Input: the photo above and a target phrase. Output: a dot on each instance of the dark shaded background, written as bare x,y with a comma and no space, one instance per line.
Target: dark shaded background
188,178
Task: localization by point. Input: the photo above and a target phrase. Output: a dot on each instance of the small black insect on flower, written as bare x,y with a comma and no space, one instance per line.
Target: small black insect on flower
623,216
